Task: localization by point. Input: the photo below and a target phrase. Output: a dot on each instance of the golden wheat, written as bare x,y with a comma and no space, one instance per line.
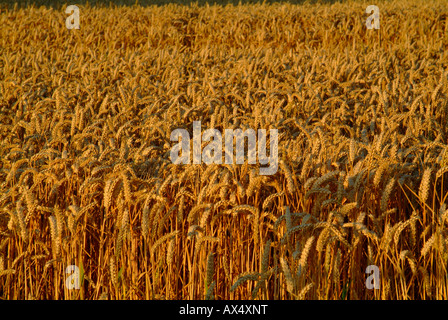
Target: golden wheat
87,178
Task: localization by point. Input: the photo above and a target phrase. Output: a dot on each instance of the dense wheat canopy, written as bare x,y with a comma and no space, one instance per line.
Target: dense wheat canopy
86,177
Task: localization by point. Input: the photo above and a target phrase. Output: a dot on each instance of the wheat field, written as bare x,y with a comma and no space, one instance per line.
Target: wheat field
86,178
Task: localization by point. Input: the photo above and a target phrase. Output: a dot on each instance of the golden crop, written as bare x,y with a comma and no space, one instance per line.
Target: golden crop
86,178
